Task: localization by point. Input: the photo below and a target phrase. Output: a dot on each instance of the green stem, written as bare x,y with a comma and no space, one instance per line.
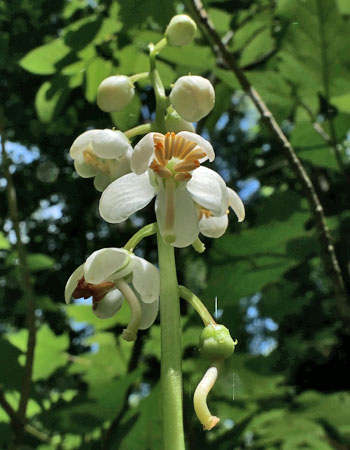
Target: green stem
197,305
159,91
145,231
171,372
139,76
140,129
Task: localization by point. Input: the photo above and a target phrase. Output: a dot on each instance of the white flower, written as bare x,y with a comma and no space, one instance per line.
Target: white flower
111,274
103,154
168,167
214,227
114,93
193,97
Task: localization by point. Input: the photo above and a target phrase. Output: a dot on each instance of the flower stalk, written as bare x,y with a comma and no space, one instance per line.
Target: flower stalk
171,373
197,305
147,230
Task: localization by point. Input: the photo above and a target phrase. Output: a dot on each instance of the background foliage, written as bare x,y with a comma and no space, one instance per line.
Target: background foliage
287,385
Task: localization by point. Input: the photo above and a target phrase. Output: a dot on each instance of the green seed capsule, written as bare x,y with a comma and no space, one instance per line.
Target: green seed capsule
216,342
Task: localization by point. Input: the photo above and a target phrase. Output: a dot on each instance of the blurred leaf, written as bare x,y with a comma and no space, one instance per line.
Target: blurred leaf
43,60
83,313
49,350
97,70
11,372
39,261
4,243
79,34
50,99
129,116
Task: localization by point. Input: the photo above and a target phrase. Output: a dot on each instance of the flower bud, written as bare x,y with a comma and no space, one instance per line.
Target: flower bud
216,343
181,30
193,97
175,123
114,93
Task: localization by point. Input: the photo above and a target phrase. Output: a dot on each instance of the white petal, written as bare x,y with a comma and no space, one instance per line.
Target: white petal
103,265
109,144
186,226
109,305
213,227
73,282
149,314
84,170
146,279
142,155
101,181
82,142
209,190
236,204
203,144
125,196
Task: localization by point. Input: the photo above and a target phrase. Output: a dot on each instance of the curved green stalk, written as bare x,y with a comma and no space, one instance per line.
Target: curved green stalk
140,129
145,231
171,373
197,305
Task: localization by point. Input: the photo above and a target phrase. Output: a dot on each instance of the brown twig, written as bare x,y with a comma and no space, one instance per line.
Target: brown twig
325,239
26,283
18,424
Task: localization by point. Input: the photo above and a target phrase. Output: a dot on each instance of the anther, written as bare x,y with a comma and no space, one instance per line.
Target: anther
93,161
197,153
159,152
186,166
182,176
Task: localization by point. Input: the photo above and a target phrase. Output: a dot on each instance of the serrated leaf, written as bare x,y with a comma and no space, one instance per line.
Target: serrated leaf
43,60
49,350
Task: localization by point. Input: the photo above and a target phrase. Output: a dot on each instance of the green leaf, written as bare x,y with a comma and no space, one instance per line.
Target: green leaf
315,53
312,147
50,99
4,243
83,313
43,60
39,261
97,70
191,57
128,117
49,350
80,33
11,372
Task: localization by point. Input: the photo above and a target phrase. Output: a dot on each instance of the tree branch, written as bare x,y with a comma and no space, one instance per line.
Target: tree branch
26,283
325,240
17,424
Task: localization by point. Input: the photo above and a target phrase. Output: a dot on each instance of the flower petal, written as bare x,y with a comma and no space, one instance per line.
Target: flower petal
209,190
82,142
186,226
203,144
213,227
84,169
142,155
73,282
236,204
109,305
101,181
146,279
105,264
109,144
149,313
125,196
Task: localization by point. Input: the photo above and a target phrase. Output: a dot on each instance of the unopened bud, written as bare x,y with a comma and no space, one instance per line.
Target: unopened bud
181,30
216,342
114,93
193,97
175,123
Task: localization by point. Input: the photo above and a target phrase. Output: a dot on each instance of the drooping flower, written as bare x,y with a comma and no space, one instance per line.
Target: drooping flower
111,274
215,227
169,167
102,154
